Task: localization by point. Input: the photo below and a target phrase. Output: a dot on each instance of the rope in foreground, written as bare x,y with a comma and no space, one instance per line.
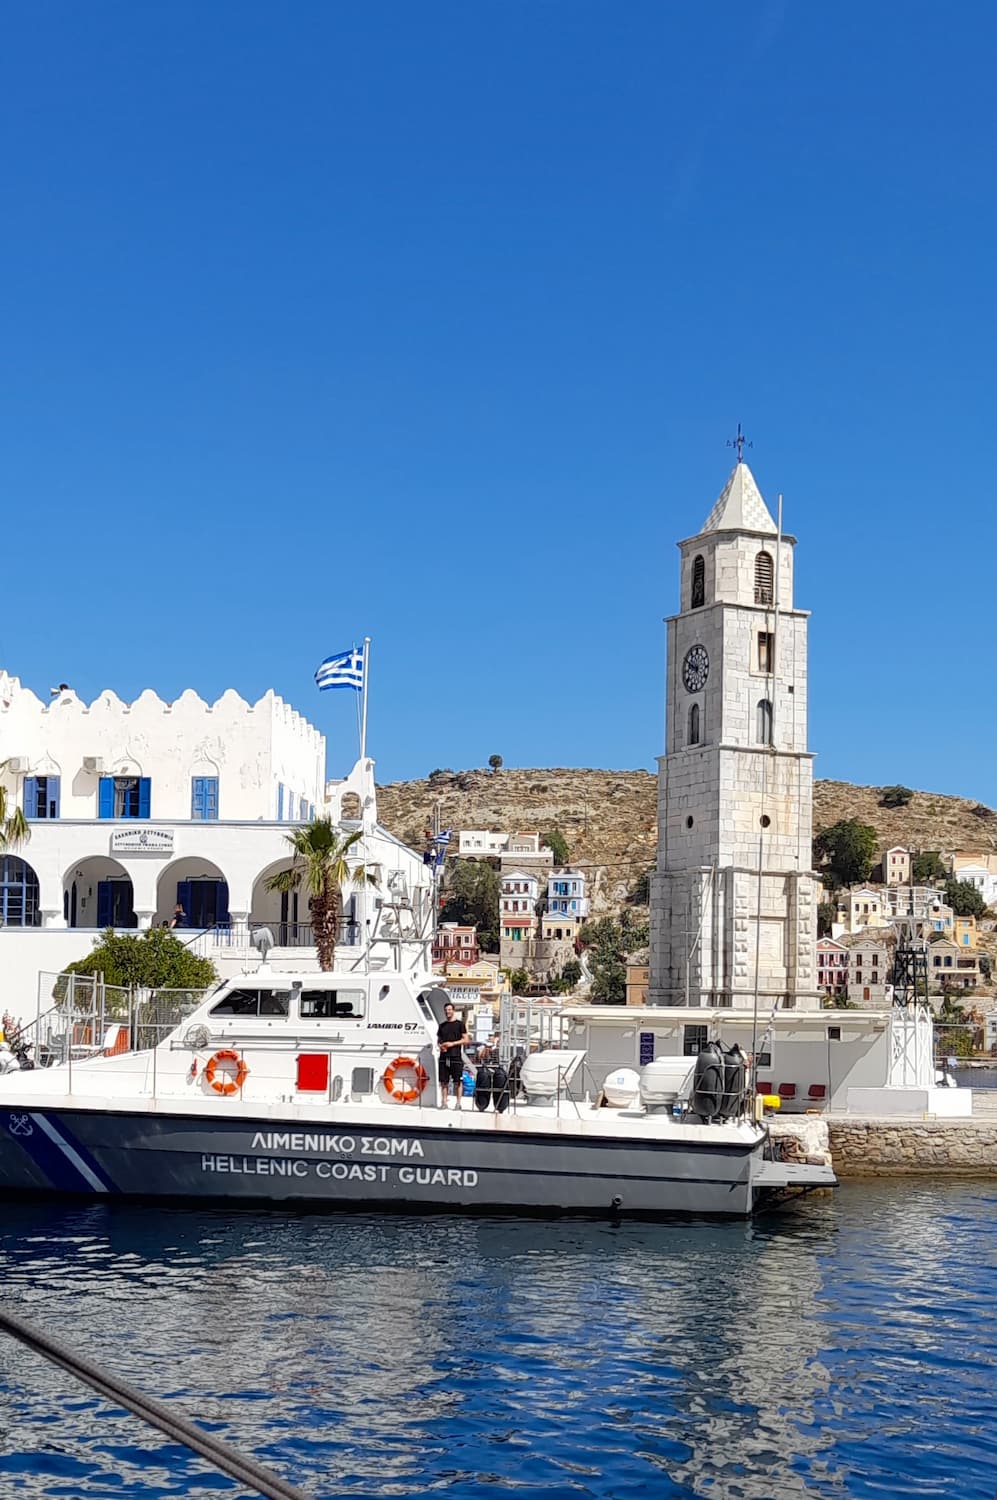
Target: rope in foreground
246,1470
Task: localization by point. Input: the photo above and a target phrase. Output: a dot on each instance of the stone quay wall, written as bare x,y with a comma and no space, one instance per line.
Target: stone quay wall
911,1148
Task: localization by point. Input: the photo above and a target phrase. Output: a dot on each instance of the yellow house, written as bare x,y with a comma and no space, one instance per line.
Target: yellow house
964,932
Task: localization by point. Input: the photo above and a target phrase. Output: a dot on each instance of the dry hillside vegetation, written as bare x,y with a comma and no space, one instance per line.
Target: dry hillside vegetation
609,818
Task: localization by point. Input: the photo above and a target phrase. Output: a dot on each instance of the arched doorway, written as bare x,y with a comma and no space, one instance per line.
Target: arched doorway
192,893
18,893
97,893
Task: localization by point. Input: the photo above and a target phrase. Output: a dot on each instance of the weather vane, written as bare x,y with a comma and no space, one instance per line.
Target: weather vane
740,443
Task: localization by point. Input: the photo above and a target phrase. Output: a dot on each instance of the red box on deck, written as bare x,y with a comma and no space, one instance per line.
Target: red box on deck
313,1072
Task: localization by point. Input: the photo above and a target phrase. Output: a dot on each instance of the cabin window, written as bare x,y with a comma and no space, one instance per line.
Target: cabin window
324,1005
362,1081
698,582
253,1003
694,1039
764,578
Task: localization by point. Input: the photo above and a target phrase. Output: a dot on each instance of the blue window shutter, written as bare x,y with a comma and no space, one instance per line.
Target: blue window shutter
144,796
54,791
31,796
105,797
183,898
211,798
280,802
221,910
197,797
104,896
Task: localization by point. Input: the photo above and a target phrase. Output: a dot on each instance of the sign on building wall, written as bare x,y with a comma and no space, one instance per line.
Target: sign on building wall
142,841
646,1047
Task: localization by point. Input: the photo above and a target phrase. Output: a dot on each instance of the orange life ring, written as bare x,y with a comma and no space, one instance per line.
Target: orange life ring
405,1095
229,1085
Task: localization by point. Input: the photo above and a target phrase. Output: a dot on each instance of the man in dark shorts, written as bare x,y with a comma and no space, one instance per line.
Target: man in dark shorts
451,1038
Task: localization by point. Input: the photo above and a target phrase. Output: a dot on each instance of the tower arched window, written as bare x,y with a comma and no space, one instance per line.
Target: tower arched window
698,582
763,722
694,724
764,578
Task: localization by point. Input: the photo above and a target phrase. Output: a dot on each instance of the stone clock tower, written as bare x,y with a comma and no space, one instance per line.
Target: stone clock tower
733,900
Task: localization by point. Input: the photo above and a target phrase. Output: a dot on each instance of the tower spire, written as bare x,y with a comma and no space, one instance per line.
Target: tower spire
740,443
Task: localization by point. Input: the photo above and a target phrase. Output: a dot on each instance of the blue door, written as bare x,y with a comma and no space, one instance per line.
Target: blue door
114,904
204,901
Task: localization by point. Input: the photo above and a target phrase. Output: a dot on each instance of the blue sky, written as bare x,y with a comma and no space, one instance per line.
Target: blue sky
430,322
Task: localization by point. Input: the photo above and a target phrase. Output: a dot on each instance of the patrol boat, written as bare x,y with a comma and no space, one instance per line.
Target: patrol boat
320,1090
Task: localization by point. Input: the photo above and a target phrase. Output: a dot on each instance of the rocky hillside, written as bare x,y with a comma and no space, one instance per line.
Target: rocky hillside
609,818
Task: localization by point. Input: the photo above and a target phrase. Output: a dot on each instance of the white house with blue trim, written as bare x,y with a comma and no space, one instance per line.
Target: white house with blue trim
566,895
158,812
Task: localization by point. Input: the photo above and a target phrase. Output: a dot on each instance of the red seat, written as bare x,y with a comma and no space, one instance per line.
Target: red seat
763,1088
787,1091
817,1091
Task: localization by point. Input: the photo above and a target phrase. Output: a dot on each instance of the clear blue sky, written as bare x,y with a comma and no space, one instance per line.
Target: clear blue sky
429,321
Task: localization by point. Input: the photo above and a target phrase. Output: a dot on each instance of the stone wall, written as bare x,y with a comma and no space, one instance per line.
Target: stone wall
901,1148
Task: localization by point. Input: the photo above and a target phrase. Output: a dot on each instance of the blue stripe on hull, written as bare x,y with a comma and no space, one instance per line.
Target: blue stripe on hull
68,1166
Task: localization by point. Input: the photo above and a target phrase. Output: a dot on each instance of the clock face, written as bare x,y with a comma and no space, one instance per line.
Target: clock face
695,669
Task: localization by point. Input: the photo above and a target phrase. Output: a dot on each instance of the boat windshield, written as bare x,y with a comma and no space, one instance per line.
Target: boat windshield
253,1003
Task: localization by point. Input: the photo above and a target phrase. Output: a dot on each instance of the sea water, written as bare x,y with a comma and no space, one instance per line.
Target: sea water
846,1349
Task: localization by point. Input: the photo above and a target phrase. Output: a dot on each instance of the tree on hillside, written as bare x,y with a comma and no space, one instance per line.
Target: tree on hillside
557,844
825,918
322,866
640,891
610,941
495,761
927,866
845,851
14,829
155,959
895,796
472,899
964,899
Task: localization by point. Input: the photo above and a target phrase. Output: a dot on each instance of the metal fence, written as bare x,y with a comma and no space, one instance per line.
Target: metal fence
79,1016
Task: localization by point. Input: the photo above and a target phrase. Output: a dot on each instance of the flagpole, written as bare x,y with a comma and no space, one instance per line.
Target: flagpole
363,698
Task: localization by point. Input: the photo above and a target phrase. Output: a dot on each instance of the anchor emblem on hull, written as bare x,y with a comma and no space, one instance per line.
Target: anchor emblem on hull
20,1125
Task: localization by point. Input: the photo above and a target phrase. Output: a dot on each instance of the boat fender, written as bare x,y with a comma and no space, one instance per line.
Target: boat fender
483,1086
708,1082
500,1089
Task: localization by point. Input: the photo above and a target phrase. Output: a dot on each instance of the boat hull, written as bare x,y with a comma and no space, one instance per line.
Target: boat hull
347,1164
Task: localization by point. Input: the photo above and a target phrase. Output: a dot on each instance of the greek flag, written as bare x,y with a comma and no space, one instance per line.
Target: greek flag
345,670
443,838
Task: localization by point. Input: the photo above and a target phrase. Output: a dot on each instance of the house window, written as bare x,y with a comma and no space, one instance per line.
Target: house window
694,724
41,796
18,893
694,1039
764,574
766,651
124,797
204,799
698,582
763,722
280,802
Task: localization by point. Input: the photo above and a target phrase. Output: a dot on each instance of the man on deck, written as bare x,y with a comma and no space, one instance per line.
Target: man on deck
451,1038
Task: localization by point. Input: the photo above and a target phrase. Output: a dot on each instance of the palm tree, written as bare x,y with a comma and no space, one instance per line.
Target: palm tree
14,828
320,863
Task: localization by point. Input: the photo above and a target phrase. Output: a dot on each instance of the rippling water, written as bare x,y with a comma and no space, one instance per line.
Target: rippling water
848,1350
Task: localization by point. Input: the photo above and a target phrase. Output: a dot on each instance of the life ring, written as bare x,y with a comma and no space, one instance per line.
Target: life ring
405,1095
228,1084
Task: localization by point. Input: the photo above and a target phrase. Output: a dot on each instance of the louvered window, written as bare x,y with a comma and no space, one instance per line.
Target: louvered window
763,578
698,582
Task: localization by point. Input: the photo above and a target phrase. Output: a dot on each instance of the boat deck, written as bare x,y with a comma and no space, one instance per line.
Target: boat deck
793,1174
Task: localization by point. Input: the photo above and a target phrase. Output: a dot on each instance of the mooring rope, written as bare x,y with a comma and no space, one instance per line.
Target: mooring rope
246,1470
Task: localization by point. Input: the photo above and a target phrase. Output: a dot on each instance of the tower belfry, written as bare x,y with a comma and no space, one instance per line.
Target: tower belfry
733,908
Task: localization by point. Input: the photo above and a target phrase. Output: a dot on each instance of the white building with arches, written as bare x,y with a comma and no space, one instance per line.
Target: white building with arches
152,812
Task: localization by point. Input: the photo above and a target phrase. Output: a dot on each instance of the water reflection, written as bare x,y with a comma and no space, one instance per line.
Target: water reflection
841,1352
